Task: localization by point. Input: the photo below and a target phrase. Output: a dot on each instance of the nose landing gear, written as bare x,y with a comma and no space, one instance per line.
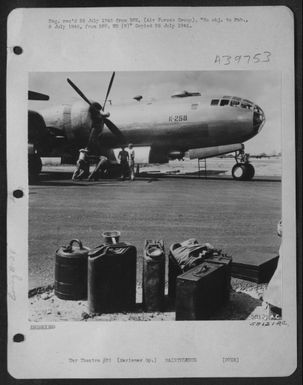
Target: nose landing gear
242,170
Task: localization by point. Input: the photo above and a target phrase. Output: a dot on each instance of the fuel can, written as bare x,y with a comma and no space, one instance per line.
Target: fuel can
112,278
71,271
200,291
153,275
173,271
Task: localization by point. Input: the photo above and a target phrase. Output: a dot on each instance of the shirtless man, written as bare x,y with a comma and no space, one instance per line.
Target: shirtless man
131,161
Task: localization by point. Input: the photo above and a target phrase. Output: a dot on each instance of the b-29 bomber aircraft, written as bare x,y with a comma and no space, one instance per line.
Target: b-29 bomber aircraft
185,124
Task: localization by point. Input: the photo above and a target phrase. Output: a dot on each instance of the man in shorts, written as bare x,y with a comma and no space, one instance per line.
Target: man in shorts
101,168
82,169
131,161
123,158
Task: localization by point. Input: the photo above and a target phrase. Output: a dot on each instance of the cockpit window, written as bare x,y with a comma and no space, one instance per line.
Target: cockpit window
224,102
234,102
246,104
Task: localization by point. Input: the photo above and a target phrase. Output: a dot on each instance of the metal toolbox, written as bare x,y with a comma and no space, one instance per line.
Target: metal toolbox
227,262
200,291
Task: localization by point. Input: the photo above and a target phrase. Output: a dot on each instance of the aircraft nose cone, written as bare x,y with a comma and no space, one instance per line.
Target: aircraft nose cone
259,118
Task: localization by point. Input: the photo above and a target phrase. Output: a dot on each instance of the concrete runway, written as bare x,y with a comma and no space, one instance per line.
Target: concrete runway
238,217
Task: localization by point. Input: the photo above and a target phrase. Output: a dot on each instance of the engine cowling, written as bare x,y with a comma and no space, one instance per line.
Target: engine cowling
38,135
209,152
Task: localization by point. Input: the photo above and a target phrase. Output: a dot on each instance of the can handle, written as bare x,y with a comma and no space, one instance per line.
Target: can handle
102,249
76,240
69,248
203,269
97,251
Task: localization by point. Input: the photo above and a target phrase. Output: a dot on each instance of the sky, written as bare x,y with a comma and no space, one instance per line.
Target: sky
261,87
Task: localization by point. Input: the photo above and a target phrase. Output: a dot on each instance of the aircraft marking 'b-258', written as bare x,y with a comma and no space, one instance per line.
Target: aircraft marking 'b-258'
200,126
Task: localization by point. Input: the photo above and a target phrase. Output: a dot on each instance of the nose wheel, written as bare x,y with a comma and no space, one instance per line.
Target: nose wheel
242,170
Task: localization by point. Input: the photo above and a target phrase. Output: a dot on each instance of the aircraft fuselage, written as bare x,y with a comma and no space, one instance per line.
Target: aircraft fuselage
176,123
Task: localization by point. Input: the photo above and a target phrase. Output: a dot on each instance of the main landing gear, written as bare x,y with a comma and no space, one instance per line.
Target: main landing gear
242,170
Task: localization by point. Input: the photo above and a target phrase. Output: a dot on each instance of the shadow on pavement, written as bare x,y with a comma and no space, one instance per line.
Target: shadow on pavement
211,175
239,307
61,178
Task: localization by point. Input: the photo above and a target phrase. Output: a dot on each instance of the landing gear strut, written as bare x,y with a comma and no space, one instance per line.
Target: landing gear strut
137,170
242,170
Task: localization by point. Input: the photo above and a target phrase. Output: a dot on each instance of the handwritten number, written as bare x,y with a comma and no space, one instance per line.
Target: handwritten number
256,59
268,55
248,58
227,59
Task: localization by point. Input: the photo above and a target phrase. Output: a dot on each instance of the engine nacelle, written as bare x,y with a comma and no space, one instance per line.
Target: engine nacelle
38,135
36,127
209,152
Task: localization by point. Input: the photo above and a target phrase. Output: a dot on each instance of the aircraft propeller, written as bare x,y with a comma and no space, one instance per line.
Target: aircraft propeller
99,118
108,89
79,92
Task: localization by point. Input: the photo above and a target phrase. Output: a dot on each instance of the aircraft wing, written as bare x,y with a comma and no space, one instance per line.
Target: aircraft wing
32,95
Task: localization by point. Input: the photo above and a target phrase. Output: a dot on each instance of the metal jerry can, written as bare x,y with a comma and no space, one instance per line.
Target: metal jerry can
226,261
112,278
71,271
173,271
200,291
153,275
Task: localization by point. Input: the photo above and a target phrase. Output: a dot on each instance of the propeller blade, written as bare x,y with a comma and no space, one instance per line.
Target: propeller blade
79,92
108,90
114,129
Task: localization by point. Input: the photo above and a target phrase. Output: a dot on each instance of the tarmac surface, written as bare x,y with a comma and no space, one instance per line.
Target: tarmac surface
238,217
